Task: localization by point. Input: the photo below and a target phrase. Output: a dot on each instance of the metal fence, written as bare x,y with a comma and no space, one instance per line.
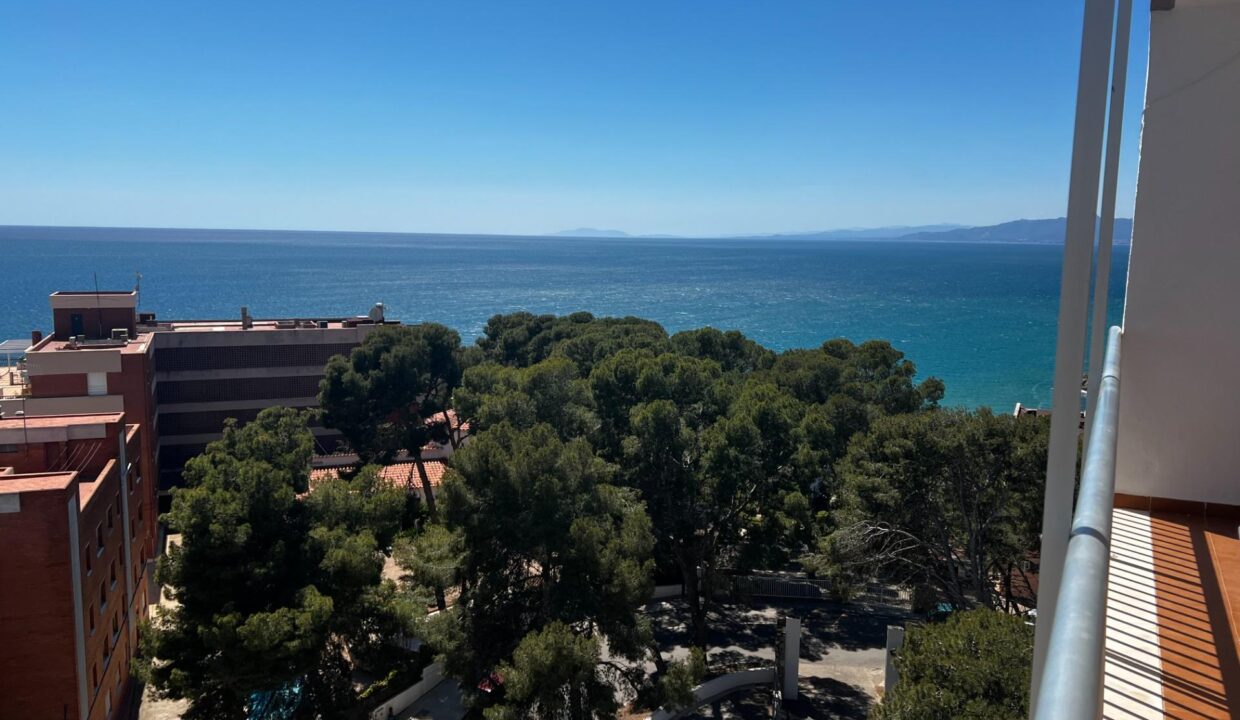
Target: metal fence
1071,686
793,587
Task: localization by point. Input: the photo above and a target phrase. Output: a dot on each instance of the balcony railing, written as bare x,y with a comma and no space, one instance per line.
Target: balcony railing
1071,687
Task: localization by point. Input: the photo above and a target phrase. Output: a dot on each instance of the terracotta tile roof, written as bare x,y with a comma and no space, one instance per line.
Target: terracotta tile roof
397,474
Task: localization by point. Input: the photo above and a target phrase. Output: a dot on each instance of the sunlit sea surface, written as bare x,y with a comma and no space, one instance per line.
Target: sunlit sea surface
980,316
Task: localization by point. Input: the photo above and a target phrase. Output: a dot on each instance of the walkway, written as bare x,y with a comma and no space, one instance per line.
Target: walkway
1171,632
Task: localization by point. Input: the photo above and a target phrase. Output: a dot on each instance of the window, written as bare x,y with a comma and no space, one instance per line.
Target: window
129,480
7,448
133,528
91,615
96,383
139,512
111,524
94,677
116,626
103,596
113,573
86,553
99,539
107,705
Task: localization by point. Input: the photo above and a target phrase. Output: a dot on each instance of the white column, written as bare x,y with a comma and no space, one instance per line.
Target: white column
1091,107
1106,225
792,657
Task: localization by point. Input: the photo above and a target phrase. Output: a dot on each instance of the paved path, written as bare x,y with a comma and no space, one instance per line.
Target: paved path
443,702
842,648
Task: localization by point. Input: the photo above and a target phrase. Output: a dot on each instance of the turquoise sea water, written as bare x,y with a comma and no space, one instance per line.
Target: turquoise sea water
981,317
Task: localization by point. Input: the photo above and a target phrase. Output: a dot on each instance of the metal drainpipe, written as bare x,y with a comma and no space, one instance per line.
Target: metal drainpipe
1091,106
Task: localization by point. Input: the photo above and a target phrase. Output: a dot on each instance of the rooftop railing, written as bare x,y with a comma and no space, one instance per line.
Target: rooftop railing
1071,687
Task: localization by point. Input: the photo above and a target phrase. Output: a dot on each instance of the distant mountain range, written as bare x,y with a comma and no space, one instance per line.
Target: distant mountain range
1034,232
593,233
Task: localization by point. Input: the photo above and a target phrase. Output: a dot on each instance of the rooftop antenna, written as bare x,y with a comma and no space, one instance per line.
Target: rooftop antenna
137,287
98,307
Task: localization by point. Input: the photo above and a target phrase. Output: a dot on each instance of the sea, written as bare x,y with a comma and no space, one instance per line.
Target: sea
982,317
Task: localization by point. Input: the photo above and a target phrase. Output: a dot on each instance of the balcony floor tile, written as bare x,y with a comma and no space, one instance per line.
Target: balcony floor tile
1171,635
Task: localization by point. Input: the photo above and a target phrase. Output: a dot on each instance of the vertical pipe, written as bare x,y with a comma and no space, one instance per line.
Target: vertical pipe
1106,226
1091,106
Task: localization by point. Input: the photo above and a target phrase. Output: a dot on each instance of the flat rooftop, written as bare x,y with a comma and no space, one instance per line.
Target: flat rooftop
58,421
36,482
259,325
136,345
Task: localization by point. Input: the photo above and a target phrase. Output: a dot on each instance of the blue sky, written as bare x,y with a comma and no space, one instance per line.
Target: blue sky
665,116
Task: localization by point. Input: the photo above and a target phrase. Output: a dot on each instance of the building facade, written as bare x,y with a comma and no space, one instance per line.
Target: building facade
77,522
179,380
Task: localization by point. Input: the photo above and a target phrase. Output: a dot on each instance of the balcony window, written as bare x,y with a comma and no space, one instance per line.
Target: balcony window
96,383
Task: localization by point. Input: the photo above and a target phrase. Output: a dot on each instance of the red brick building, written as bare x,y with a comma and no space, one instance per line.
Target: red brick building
178,380
109,408
77,528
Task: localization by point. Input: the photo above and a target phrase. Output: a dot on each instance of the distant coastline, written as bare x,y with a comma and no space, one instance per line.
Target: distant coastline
1048,231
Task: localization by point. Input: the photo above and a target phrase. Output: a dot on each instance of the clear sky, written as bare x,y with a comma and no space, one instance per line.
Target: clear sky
660,116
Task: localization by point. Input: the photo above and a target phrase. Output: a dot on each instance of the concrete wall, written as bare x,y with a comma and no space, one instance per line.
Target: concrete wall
38,677
719,687
1181,347
432,675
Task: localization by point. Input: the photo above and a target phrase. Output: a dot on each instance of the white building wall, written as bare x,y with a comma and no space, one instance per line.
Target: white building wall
1179,432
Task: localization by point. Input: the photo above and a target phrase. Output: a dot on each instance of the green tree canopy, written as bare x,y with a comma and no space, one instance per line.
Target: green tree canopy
546,539
391,393
522,339
555,673
432,559
974,666
269,588
954,497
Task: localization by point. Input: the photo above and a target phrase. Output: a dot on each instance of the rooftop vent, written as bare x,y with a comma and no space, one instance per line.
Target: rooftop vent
376,313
